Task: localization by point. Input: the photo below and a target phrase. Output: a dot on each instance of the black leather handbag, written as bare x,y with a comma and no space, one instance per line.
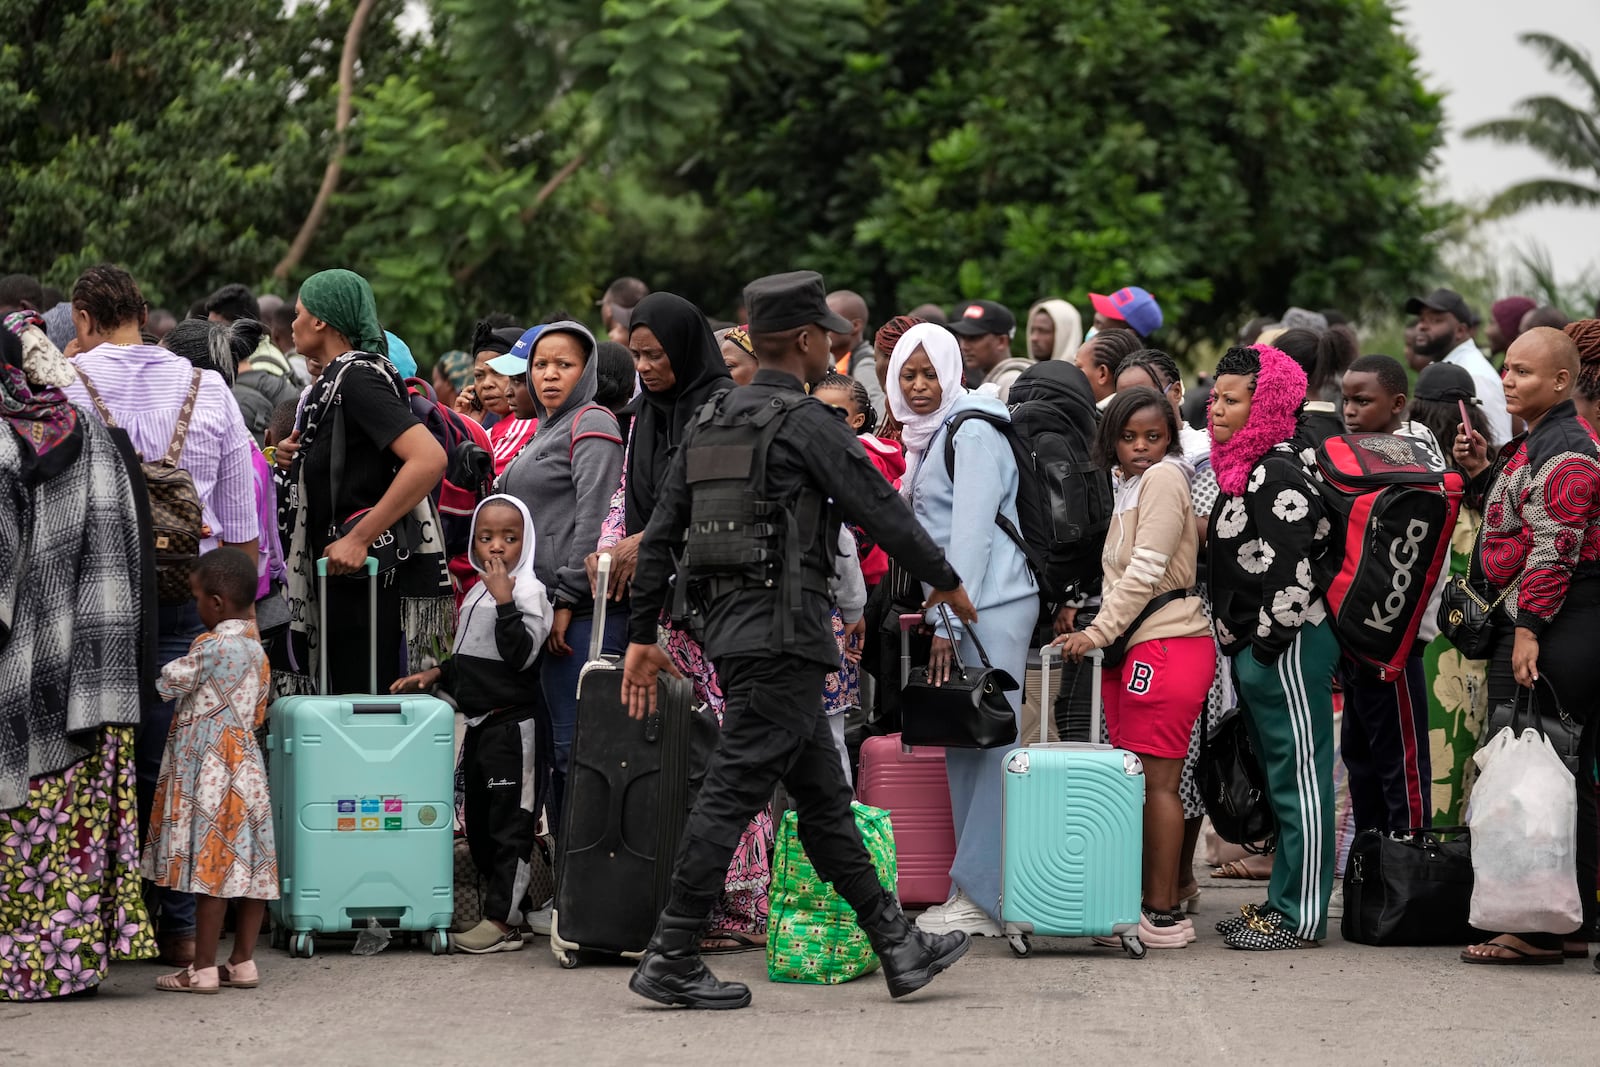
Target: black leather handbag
969,710
1467,612
1233,786
1523,710
1408,889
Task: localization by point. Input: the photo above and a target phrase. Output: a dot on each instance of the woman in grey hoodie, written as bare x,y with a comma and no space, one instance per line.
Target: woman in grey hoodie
566,475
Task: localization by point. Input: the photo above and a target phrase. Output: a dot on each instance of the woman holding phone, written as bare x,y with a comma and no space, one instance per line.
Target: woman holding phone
1540,542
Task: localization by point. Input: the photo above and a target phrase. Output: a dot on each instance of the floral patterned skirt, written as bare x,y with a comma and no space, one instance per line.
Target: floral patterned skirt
69,881
1458,705
743,906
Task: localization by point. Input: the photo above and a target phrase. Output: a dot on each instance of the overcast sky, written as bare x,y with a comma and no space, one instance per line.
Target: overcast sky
1469,49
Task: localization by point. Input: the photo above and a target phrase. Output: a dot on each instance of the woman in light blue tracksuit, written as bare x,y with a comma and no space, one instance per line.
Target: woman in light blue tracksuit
958,510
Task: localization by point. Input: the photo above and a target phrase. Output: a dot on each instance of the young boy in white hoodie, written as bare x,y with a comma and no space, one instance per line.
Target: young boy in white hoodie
501,625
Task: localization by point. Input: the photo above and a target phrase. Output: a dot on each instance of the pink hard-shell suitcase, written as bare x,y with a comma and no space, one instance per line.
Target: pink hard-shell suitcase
910,784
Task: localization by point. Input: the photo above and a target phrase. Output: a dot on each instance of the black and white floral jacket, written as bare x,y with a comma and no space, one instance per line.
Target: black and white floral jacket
1261,546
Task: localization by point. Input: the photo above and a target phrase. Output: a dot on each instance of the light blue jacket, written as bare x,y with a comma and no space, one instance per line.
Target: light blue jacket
959,514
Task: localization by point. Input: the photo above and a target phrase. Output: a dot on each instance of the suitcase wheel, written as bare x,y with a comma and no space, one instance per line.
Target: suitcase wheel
1133,946
279,937
303,946
1020,945
568,960
439,942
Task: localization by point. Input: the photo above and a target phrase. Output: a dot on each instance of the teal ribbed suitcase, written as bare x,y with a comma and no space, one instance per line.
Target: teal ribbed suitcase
363,813
1072,837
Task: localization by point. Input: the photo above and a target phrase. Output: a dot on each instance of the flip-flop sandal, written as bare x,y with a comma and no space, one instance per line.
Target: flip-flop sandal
1237,869
739,942
1522,958
188,981
238,976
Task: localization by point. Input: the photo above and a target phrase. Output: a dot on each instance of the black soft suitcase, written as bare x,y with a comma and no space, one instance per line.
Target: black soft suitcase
630,786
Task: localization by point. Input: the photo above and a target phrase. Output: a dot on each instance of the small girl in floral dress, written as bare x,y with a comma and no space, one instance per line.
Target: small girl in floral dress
211,827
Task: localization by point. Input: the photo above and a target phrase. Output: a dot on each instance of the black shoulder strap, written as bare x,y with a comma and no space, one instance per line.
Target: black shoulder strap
955,424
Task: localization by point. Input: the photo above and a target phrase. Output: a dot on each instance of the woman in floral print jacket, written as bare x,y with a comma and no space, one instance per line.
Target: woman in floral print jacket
1267,527
1541,537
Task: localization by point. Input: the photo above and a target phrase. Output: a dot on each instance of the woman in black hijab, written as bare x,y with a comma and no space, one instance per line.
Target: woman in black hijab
680,367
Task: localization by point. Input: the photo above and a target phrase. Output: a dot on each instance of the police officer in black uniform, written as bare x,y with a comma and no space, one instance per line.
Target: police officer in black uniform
754,497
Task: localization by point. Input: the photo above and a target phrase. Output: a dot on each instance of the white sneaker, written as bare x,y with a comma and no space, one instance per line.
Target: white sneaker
1336,900
938,910
960,913
539,921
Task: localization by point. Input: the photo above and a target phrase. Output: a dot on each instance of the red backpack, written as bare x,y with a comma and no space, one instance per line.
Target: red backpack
1393,503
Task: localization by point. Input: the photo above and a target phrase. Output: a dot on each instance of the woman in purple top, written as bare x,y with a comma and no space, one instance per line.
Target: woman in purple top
142,389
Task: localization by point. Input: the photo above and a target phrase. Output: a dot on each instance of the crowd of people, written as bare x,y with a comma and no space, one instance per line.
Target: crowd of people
174,485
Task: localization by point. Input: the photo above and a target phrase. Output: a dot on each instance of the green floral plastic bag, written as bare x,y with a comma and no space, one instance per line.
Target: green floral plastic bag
812,934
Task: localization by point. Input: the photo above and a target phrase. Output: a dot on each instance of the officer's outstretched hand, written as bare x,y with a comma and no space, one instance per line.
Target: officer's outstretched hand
640,671
959,603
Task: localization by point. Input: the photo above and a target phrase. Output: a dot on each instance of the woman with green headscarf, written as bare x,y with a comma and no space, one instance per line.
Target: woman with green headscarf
362,468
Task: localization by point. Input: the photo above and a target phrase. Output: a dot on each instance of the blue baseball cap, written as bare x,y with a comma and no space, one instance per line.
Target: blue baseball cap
1132,305
516,361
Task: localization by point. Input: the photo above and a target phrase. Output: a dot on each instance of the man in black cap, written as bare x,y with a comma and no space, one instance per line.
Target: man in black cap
753,501
1444,334
985,329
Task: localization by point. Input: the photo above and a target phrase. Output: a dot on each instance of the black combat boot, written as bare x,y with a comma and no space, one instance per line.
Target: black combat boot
671,971
910,957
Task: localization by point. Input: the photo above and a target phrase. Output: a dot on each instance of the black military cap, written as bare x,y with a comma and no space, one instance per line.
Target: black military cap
781,302
1447,300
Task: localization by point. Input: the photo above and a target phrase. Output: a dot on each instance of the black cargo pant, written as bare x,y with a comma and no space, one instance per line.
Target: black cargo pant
499,763
773,730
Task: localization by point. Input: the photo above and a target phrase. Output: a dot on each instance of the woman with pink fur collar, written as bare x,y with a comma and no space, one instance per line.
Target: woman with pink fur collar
1267,527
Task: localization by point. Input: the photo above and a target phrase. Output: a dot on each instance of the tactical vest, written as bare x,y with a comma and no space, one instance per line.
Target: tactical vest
740,535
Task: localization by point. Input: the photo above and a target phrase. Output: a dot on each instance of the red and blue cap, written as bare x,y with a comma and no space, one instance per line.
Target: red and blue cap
1132,305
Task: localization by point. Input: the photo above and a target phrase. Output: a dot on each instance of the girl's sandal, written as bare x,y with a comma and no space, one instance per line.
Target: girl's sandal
189,980
238,975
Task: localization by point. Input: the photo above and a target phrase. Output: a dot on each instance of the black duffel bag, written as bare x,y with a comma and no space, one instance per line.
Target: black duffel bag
1232,785
1409,889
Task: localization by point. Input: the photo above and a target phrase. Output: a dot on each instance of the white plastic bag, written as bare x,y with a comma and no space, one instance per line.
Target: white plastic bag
1523,815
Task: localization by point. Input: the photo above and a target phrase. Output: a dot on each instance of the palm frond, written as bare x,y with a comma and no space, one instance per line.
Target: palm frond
1569,146
1543,192
1562,56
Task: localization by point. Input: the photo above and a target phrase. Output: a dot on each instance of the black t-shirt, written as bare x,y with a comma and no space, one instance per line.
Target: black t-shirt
374,416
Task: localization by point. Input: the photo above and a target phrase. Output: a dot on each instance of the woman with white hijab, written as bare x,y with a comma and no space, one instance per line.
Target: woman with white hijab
957,507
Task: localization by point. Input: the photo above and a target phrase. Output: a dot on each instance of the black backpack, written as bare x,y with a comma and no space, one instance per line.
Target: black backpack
259,393
1063,499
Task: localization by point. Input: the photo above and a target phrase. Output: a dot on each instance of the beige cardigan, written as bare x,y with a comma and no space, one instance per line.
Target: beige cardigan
1153,546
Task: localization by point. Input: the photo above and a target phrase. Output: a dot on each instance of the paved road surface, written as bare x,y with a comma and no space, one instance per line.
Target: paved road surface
1339,1004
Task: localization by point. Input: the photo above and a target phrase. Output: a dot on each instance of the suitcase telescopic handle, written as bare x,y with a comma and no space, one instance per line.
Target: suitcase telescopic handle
908,621
371,567
602,589
1096,658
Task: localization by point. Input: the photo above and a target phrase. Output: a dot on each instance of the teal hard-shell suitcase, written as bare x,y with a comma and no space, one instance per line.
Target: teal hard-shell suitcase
363,813
1072,837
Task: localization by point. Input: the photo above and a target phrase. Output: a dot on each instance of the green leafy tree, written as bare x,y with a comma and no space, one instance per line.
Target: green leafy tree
495,173
182,138
1228,156
1566,134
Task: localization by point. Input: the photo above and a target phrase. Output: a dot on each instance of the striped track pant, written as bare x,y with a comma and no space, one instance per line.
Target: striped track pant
1288,706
